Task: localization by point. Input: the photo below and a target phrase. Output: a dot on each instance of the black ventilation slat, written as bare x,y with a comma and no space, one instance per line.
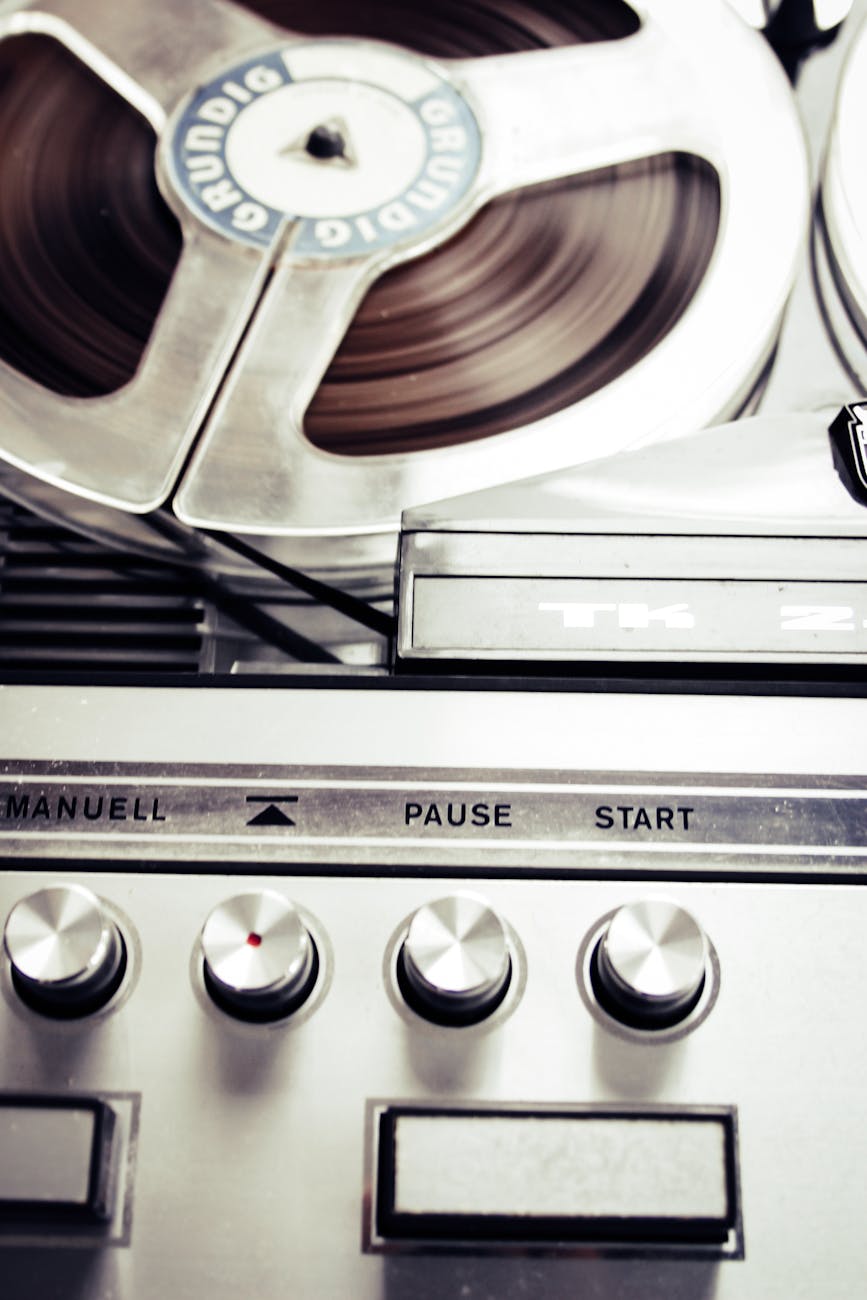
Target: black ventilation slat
11,582
34,663
93,637
33,530
71,560
32,534
87,655
70,603
161,634
139,615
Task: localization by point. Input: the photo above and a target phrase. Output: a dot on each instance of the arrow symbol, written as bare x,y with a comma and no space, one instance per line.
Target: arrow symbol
271,815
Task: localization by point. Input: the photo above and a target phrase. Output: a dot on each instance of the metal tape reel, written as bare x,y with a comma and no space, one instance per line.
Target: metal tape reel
244,465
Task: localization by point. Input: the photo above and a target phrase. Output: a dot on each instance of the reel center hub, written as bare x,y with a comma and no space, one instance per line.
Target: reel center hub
326,142
365,147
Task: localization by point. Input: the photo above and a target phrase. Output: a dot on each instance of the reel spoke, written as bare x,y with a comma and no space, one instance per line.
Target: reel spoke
151,53
253,469
125,449
549,114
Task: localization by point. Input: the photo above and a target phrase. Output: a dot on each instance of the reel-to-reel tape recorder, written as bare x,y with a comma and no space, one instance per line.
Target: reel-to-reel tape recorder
504,940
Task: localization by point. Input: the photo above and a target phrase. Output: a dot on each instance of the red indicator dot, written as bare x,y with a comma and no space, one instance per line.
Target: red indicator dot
254,939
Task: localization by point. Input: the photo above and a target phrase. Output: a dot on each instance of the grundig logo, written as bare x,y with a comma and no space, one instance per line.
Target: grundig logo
228,163
203,158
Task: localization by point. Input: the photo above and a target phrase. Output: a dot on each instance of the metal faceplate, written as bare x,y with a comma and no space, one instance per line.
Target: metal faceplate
745,542
287,276
250,1151
392,779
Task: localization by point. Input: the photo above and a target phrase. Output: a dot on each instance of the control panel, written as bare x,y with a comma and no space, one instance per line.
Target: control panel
630,1071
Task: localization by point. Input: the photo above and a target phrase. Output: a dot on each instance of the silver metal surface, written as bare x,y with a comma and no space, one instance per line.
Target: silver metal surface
455,957
63,946
546,780
652,961
767,476
258,956
380,727
666,88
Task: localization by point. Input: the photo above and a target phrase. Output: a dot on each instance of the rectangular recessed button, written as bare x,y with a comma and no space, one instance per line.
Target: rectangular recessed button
575,1176
56,1157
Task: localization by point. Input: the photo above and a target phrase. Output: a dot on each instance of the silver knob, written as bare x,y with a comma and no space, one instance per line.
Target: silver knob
260,962
650,964
67,954
454,966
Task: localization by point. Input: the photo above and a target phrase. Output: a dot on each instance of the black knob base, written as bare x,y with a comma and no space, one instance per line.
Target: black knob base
441,1009
263,1008
630,1009
78,999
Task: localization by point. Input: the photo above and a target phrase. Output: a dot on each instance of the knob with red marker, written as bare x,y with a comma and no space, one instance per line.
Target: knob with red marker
259,959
